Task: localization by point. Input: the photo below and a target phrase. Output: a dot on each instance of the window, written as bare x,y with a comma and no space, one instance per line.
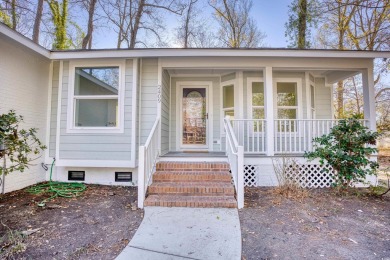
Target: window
95,98
228,100
287,100
257,100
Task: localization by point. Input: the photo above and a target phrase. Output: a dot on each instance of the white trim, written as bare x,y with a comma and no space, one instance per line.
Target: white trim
193,159
159,102
48,112
134,113
209,104
221,85
269,110
240,94
5,30
299,105
195,75
70,127
125,53
94,163
170,112
59,106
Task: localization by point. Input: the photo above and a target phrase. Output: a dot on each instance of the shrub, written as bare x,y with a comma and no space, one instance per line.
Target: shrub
347,148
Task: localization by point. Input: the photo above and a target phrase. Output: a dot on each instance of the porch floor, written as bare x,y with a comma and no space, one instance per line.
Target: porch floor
194,154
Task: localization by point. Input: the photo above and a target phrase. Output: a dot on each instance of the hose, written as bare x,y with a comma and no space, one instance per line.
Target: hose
57,189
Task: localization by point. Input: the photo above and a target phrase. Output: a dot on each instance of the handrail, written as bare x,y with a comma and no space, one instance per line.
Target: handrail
235,157
148,154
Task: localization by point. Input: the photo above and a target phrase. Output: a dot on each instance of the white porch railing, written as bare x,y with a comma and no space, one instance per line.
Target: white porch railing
251,134
296,135
291,136
148,154
235,154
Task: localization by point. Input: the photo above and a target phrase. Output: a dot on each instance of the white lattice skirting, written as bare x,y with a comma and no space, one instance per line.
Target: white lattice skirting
307,175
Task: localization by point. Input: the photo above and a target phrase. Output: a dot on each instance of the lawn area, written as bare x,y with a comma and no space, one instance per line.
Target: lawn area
96,225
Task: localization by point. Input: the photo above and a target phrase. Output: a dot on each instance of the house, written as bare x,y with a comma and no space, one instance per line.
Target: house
109,116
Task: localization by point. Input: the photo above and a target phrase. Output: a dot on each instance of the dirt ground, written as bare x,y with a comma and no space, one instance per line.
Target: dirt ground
96,225
323,225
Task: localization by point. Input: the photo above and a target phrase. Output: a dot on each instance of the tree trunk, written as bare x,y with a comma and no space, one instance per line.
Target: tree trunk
137,22
88,38
302,24
13,14
37,22
340,99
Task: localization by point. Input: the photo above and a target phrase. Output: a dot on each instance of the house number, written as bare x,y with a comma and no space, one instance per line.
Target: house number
159,94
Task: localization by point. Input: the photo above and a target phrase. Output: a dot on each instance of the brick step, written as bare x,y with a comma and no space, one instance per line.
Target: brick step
192,166
188,176
191,201
192,188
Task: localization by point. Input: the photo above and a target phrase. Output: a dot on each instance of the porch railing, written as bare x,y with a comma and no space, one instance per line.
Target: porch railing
251,134
296,135
235,154
148,154
291,136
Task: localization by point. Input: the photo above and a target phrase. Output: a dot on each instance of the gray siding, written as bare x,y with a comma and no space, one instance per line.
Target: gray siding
112,146
148,98
54,109
165,87
228,77
323,100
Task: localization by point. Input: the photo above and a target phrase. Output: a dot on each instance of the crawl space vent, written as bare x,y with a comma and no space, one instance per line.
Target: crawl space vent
76,175
123,176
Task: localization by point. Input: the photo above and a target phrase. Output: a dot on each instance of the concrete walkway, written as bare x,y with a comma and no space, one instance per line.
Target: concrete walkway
186,233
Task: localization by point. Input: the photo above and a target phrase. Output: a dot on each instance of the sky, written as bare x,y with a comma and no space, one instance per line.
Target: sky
270,15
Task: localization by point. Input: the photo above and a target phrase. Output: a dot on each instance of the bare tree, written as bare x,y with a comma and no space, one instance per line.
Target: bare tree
131,17
236,28
90,6
37,21
194,29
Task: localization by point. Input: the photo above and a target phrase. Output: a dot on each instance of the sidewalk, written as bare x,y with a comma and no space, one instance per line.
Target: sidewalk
186,233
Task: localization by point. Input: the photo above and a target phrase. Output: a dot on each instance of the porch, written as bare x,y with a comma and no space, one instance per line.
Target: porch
243,114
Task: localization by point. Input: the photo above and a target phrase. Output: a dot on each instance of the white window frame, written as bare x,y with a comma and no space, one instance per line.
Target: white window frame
71,127
249,94
224,84
299,105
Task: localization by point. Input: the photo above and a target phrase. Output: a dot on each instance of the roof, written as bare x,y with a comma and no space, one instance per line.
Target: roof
188,52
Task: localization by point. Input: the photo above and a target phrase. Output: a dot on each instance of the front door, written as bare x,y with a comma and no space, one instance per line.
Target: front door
194,117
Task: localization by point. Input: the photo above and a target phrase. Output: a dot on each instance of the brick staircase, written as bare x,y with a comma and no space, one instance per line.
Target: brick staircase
196,184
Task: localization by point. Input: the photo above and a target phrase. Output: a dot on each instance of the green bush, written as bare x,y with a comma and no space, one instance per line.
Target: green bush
347,148
19,146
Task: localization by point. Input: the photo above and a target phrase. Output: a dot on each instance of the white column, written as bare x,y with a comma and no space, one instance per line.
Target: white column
239,106
159,100
369,97
269,110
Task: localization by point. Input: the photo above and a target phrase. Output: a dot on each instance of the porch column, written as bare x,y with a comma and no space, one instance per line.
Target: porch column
369,97
269,110
159,97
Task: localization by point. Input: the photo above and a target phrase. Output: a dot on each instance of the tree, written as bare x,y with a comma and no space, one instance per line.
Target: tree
90,5
302,15
131,17
347,149
37,22
18,145
236,28
59,13
193,30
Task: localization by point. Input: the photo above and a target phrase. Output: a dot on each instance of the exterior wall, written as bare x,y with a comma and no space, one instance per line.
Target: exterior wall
148,97
165,115
54,108
215,109
323,99
96,146
102,176
24,81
